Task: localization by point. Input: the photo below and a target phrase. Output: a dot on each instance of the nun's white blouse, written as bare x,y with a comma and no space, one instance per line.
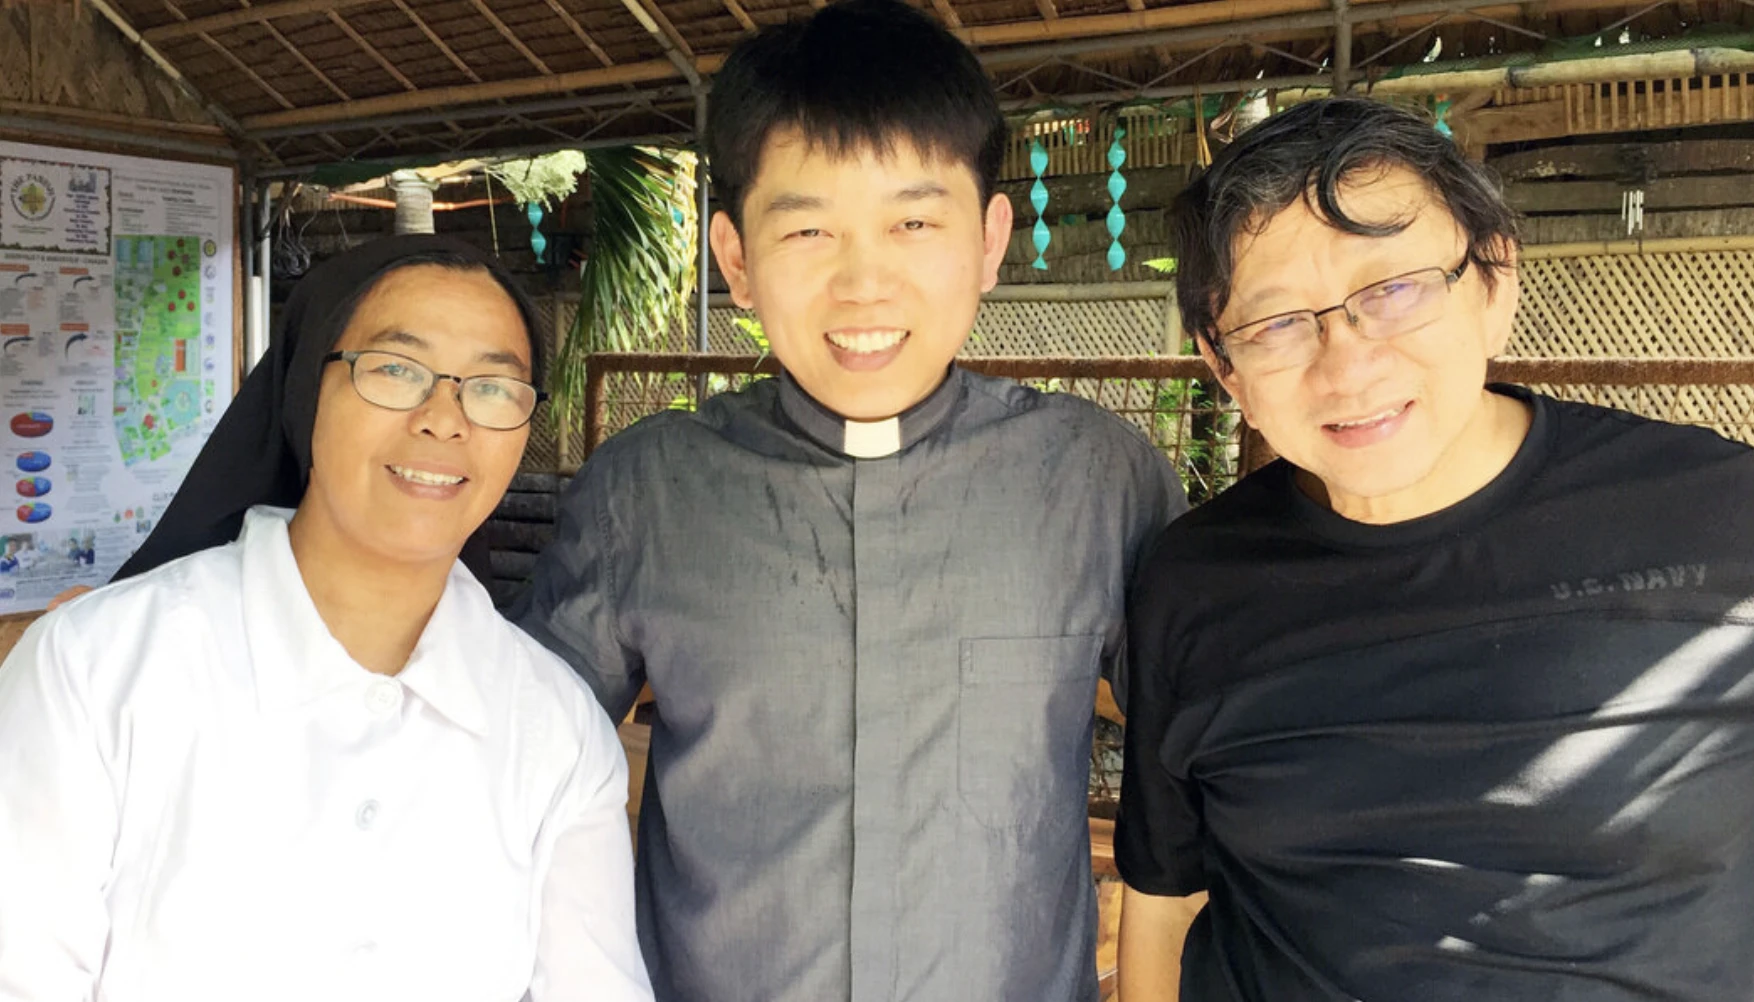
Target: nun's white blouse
202,797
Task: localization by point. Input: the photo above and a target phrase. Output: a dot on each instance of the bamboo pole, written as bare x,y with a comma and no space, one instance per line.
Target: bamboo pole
125,139
153,126
1068,292
647,71
1608,69
1157,19
1580,371
248,15
1243,14
1618,248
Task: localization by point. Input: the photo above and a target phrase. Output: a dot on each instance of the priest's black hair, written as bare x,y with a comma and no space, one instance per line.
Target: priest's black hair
856,75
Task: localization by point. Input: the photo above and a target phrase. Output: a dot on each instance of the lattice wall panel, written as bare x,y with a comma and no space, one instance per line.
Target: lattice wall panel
1727,410
542,454
1197,431
1639,306
1084,330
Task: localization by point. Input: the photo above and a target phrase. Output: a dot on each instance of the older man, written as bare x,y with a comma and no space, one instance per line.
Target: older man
1454,700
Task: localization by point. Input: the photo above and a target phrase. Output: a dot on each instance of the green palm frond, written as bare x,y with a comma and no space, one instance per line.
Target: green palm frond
639,276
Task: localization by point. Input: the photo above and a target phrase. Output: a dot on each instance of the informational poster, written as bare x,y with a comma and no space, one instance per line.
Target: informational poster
115,354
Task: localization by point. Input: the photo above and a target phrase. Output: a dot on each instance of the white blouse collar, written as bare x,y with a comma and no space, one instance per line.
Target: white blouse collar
296,659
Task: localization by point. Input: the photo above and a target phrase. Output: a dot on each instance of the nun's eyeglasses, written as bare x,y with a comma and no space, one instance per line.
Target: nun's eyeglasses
399,383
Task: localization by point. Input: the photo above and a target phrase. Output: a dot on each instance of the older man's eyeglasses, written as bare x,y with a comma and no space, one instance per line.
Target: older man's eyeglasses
399,383
1381,311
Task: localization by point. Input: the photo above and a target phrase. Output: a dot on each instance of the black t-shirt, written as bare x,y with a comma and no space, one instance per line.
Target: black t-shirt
1503,752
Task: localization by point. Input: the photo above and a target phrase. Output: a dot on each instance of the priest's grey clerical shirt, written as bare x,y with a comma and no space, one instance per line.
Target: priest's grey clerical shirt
874,650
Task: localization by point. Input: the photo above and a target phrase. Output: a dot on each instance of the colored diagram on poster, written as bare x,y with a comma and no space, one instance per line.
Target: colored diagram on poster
159,398
117,276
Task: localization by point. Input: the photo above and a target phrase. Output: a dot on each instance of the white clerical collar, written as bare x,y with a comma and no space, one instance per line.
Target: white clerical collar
870,439
873,439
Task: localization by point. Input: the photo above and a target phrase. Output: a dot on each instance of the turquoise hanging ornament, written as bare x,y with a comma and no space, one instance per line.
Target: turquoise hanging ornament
538,242
1442,109
1117,186
1038,197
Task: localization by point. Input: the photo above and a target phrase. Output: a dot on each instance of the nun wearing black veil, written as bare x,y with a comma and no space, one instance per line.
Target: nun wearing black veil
293,752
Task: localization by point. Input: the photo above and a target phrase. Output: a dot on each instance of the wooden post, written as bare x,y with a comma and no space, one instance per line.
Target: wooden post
596,411
562,429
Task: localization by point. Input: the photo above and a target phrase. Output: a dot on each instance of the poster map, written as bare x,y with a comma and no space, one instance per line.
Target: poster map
115,354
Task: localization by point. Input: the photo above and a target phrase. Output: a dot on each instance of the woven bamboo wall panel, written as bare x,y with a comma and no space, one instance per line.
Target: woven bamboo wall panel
1080,144
1635,105
64,56
1638,306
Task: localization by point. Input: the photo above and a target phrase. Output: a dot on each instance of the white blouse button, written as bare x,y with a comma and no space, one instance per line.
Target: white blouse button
366,816
383,696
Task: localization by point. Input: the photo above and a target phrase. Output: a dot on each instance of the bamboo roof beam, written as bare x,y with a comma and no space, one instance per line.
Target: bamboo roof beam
1680,63
371,50
740,14
298,54
107,119
247,15
437,42
511,37
676,50
1242,15
1210,20
1154,19
238,64
244,68
285,42
580,33
1047,9
646,71
948,14
653,20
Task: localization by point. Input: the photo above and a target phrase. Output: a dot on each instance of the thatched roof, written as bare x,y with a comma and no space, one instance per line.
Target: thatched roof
318,81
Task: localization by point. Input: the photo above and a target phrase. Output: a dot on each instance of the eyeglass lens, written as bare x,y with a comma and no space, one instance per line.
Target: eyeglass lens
1381,311
399,383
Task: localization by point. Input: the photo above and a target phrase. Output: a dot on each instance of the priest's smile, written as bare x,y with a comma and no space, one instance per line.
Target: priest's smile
865,349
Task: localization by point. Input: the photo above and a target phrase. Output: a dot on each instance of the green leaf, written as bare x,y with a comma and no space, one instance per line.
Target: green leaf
639,276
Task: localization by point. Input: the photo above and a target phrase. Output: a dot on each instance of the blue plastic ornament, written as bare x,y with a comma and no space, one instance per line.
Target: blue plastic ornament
538,242
1117,186
1038,197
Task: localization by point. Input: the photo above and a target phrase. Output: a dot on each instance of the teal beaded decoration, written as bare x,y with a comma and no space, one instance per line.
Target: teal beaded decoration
538,242
1117,186
1038,197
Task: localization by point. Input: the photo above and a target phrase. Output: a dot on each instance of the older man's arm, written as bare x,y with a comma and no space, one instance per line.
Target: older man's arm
1153,930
